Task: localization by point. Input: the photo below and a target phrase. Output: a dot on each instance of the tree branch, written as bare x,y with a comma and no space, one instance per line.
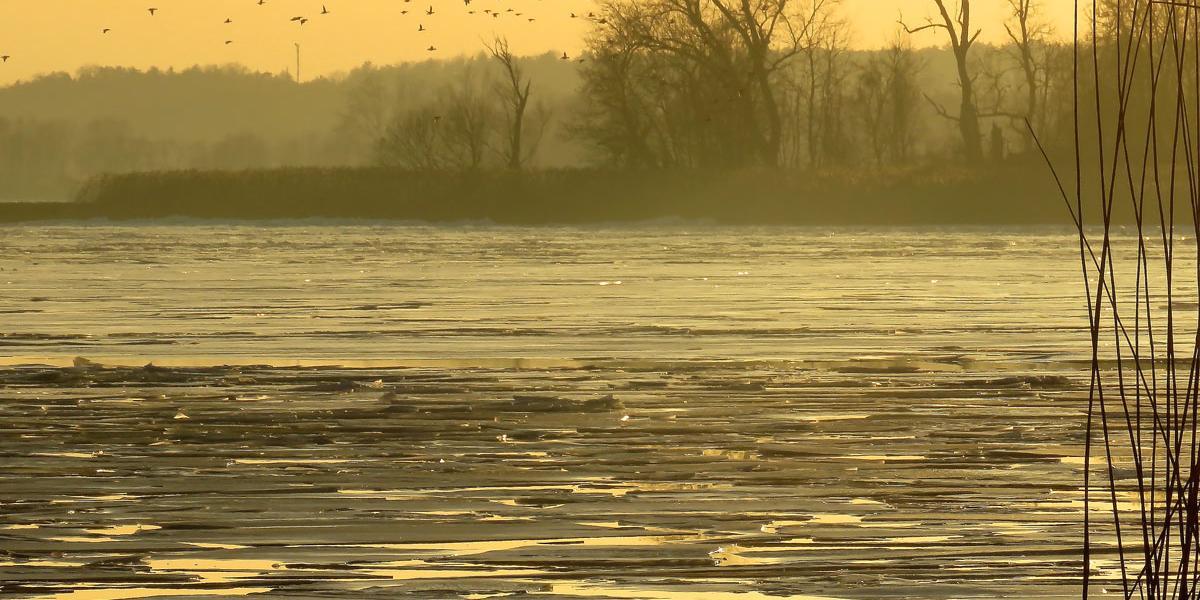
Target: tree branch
940,110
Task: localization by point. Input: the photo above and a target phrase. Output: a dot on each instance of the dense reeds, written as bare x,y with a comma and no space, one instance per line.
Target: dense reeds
1005,194
1137,132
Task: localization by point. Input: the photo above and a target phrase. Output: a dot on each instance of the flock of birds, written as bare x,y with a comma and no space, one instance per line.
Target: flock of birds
467,6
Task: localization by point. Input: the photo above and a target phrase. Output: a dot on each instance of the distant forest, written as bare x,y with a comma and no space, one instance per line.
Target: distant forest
663,84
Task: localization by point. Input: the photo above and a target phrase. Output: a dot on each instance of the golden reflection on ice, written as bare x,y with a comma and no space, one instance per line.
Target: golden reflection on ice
584,590
147,592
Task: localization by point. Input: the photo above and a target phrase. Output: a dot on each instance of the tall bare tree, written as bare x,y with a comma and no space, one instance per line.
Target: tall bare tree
957,25
368,109
467,123
452,130
655,94
612,117
770,31
822,42
887,97
413,141
1027,33
514,92
728,55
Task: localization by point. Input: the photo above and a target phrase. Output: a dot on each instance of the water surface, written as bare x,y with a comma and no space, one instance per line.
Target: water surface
624,412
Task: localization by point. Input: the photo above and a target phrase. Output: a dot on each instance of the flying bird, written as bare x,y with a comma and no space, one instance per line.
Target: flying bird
430,11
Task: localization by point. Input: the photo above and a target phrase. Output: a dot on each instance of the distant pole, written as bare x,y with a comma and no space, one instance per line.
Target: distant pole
297,62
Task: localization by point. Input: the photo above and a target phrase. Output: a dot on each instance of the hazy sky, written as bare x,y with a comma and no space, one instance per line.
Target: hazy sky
50,35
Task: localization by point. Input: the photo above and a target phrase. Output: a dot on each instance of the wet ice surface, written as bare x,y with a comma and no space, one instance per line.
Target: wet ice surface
664,412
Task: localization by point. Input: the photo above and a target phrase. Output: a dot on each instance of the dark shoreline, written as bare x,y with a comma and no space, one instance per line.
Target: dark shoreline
1011,195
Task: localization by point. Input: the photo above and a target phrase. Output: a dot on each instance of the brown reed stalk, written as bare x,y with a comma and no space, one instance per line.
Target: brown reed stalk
1142,128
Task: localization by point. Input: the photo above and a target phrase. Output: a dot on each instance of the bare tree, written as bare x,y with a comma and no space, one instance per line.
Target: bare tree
611,116
871,101
759,25
729,54
412,141
451,131
1027,33
674,86
537,122
904,96
836,146
958,29
514,93
368,109
821,43
887,96
466,124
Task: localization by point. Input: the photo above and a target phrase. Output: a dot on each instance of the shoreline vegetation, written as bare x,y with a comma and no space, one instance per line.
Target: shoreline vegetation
1013,195
671,110
657,117
664,97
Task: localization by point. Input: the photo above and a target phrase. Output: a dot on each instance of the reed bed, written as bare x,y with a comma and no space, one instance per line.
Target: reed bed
1005,194
1137,149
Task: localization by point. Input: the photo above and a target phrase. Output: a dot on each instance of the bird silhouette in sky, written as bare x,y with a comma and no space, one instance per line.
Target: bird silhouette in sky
435,11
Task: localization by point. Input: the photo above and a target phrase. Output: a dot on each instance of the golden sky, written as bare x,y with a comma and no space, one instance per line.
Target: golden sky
52,35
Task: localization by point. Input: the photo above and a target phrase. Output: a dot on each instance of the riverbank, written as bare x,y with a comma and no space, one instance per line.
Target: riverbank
1015,195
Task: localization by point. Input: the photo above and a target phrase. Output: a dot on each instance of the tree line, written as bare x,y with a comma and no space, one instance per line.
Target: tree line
662,84
732,83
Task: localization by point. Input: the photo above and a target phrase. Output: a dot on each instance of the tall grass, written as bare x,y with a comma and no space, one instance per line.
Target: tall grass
1003,194
1137,142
